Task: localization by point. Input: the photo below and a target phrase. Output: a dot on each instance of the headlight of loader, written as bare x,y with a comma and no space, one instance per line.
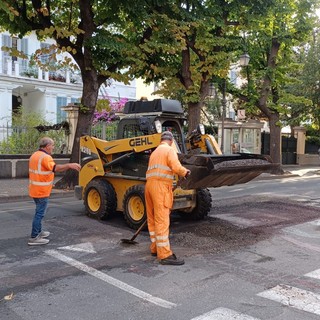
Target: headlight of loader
158,126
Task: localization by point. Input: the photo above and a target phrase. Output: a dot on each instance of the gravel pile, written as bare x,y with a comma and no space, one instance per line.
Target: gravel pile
241,163
217,234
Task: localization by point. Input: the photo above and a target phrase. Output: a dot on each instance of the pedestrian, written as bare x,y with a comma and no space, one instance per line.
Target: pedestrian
163,165
41,174
235,147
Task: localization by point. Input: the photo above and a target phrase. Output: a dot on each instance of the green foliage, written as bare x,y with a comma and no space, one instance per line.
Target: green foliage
23,138
103,104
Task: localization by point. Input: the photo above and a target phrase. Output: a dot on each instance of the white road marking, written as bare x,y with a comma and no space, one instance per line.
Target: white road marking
315,222
117,283
314,274
302,244
17,209
224,314
300,233
82,247
294,297
51,206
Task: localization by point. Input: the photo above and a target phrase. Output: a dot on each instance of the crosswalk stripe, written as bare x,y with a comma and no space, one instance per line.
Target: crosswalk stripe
224,314
294,297
314,274
110,280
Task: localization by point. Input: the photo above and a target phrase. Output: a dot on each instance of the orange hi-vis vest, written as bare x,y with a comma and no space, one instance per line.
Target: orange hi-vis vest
41,174
164,163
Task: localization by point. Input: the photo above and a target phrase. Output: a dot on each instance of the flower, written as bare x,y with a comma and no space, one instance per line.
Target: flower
109,116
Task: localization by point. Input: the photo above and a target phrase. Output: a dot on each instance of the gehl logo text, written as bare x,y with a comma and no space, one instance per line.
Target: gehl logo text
140,141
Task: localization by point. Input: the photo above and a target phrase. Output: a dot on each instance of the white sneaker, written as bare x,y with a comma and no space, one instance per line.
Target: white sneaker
44,234
37,241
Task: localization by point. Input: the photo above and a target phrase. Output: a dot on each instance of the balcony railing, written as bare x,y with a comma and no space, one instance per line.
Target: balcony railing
14,68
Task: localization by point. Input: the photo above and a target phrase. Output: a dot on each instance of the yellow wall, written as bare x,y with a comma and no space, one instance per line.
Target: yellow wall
144,90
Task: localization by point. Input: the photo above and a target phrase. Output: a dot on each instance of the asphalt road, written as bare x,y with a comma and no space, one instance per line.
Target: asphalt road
255,257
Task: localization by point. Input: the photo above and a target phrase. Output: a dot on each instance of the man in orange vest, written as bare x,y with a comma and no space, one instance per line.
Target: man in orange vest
163,164
41,174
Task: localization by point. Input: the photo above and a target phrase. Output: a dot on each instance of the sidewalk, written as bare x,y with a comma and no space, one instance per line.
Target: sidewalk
17,189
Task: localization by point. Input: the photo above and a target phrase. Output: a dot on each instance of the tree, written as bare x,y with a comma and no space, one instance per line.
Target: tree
271,42
188,44
310,78
90,31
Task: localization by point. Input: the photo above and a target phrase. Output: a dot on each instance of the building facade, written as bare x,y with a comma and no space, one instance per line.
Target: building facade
22,83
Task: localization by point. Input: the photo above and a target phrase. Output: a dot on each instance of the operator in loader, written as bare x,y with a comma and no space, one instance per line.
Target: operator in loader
163,164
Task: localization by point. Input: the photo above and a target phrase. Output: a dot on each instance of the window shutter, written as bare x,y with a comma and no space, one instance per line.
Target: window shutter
24,48
6,42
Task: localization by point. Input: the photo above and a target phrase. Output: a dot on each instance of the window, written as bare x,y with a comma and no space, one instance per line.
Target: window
45,56
131,131
75,100
17,44
61,115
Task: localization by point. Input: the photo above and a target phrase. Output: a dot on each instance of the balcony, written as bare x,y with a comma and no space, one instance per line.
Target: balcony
16,69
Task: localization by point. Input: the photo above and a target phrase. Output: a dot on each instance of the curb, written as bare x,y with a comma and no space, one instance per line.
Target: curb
25,197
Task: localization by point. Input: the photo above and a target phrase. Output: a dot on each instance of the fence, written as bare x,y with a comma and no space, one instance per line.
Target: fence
105,130
25,140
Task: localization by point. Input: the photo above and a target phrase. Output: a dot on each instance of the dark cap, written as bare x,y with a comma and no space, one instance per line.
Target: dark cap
166,135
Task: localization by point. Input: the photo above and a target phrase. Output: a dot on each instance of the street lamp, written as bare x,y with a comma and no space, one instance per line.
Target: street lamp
224,103
244,60
211,91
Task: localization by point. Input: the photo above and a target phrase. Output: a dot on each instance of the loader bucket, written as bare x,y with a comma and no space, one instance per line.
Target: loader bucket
211,171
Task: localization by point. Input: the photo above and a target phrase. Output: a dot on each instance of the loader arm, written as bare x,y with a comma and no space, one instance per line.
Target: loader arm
97,156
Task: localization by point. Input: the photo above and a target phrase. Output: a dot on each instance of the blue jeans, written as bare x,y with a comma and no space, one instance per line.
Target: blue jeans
41,208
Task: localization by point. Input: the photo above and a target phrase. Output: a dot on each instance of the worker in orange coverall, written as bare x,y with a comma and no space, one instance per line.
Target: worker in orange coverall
163,164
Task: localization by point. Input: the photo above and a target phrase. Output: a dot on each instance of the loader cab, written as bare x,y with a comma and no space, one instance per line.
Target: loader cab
141,117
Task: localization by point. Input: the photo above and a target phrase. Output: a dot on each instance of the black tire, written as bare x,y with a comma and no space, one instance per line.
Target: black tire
134,207
100,199
203,205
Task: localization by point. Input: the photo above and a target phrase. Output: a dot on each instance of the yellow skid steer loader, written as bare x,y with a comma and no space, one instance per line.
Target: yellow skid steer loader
112,176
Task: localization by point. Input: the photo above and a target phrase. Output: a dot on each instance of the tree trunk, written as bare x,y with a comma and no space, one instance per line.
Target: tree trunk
194,110
88,102
269,88
275,142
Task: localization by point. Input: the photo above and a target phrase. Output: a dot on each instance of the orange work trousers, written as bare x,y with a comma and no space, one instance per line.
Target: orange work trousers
159,200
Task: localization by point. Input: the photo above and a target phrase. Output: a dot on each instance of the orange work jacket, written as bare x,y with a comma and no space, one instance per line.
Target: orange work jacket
41,174
164,163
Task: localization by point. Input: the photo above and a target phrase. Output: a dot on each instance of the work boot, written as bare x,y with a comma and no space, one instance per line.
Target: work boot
172,260
44,234
37,241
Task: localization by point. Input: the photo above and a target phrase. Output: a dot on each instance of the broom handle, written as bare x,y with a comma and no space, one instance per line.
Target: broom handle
138,231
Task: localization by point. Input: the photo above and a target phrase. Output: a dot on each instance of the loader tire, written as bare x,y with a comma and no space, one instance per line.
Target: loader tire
203,205
100,199
134,206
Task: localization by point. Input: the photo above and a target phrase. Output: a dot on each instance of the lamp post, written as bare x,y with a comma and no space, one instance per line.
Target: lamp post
224,103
